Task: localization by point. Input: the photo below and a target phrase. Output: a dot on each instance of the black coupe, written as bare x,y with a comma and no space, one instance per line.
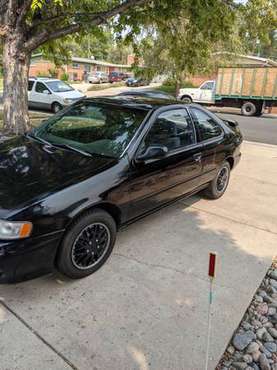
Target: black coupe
69,185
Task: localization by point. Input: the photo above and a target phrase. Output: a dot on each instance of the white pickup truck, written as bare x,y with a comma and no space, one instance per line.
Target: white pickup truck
205,93
252,89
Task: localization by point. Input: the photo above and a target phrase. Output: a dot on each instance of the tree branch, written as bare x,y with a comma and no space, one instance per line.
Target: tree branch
95,19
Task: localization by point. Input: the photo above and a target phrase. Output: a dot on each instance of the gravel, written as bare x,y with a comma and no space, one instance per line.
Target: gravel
254,344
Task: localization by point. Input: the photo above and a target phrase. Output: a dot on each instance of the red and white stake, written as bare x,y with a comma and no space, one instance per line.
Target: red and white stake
211,273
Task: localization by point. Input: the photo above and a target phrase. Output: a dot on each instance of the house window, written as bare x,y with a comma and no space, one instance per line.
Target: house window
76,65
87,67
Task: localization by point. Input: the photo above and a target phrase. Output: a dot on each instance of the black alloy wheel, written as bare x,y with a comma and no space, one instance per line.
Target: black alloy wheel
218,186
87,244
90,246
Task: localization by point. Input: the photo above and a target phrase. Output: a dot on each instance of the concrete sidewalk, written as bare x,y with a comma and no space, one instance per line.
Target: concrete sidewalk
147,307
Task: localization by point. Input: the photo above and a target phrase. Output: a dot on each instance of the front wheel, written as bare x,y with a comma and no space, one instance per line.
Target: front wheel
218,186
87,244
56,107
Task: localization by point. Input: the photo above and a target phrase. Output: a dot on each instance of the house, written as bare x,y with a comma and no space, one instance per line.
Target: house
77,69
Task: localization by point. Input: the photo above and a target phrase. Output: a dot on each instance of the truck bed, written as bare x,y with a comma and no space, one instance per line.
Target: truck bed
247,83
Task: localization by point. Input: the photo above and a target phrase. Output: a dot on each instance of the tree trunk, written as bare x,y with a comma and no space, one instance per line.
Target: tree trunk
16,63
177,87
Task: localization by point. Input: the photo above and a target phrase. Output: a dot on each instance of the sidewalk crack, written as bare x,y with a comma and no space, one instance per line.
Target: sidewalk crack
34,332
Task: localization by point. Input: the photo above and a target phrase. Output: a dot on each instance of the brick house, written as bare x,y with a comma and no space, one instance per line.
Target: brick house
77,70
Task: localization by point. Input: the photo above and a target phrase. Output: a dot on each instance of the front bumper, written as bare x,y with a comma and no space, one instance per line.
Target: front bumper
29,258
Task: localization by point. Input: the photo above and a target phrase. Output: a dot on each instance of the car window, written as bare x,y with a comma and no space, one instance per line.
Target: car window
173,129
30,85
40,87
59,86
207,86
208,127
102,129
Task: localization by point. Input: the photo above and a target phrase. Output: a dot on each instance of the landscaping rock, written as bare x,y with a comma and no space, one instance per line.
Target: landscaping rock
271,347
254,344
252,347
273,332
241,341
264,364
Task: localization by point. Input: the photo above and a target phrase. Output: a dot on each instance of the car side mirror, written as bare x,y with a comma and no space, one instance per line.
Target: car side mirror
46,92
152,152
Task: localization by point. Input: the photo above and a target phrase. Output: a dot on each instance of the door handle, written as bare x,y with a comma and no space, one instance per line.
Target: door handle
197,157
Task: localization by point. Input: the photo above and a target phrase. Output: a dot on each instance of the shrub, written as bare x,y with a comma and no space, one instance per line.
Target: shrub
64,76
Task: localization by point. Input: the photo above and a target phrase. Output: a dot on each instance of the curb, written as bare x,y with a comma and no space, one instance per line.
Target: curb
260,144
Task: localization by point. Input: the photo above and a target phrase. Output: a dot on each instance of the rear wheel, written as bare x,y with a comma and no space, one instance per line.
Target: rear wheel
56,107
218,186
248,109
186,99
87,244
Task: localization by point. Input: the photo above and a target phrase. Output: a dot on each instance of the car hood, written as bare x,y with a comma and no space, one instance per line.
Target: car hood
30,171
74,94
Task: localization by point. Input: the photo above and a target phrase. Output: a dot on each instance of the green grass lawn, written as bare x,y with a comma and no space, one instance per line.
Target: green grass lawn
35,118
96,87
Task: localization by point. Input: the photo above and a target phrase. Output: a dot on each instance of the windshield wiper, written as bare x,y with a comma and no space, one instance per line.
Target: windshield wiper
69,147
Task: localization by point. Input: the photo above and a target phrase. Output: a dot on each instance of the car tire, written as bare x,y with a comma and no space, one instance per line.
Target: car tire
219,184
56,107
248,109
81,253
186,99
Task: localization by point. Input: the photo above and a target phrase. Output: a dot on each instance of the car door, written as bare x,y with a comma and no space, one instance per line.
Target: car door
155,182
207,92
211,136
40,96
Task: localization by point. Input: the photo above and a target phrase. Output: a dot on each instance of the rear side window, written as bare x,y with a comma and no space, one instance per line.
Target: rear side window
207,127
30,85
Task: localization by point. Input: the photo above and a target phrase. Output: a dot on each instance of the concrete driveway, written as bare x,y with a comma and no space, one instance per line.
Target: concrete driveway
147,307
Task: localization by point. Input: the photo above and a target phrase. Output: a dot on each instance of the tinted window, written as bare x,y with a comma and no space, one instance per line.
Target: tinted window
40,87
172,129
30,85
94,128
207,126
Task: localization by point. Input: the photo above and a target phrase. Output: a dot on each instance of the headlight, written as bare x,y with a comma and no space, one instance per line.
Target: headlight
15,230
68,101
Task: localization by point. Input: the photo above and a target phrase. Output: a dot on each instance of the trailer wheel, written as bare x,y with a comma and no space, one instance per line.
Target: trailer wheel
248,109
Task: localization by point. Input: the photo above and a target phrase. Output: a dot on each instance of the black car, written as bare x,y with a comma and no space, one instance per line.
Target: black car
69,185
156,94
136,82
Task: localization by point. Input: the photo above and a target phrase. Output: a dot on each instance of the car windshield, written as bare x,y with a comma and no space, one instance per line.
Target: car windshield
94,128
59,86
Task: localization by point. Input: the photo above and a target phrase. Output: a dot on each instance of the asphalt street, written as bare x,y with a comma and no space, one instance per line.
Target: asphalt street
258,129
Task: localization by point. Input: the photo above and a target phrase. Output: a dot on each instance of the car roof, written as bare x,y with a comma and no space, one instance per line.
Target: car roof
135,102
148,93
43,79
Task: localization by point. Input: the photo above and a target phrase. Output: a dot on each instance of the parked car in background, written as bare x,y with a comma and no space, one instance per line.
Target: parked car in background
252,89
115,77
136,82
98,77
51,94
70,184
154,94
